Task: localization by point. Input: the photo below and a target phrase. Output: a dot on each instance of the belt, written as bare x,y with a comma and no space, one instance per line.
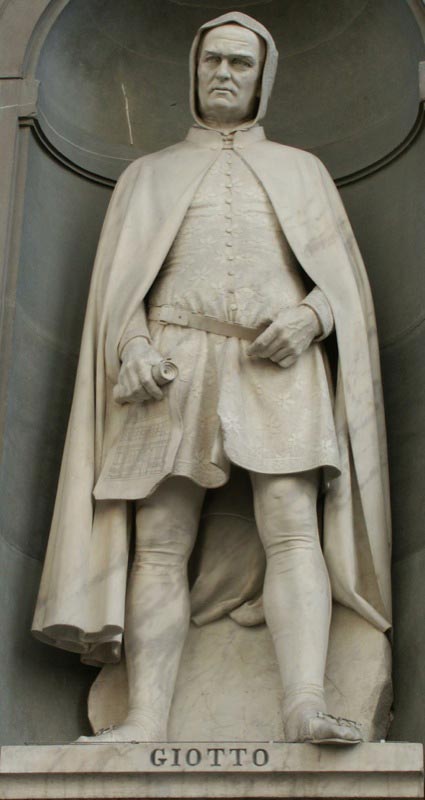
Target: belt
171,315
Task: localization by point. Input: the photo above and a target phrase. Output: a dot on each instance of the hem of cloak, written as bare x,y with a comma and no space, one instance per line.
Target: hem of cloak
95,649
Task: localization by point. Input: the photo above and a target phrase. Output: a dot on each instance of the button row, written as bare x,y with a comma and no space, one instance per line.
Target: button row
228,216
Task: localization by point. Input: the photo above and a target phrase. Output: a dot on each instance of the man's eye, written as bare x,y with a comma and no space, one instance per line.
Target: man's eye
214,59
240,62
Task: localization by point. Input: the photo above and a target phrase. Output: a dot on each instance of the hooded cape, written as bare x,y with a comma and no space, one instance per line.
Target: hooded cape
82,594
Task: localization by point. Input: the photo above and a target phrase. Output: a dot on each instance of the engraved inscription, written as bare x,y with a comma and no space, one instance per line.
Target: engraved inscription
220,757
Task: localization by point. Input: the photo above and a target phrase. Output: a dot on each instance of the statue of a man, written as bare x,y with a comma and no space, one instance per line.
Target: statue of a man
232,256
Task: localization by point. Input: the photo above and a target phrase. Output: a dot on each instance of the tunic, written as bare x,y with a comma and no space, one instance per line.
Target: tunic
230,260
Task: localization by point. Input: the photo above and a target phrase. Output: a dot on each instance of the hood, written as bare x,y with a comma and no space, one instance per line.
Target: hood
270,62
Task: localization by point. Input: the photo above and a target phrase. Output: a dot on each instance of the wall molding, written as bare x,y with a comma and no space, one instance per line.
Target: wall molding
342,180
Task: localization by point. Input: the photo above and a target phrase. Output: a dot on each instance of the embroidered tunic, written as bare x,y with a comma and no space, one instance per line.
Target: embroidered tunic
230,260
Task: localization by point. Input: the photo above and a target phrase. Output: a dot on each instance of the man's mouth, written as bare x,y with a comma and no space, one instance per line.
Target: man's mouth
222,89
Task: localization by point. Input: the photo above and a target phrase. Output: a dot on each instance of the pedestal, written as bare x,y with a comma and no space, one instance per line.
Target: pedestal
211,770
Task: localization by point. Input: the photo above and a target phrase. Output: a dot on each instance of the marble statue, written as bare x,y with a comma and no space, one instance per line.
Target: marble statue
225,264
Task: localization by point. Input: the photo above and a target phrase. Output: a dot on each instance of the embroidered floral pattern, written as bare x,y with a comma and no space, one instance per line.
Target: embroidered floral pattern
231,260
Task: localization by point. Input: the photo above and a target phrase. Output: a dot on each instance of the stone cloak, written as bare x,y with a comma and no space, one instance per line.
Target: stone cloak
82,593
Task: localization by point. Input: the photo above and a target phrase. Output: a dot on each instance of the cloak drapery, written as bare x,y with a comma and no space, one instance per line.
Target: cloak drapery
81,600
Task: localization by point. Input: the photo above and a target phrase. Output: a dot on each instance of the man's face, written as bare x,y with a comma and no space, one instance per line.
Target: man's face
229,74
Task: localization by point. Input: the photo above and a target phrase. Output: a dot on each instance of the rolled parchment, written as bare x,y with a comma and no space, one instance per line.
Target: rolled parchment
164,372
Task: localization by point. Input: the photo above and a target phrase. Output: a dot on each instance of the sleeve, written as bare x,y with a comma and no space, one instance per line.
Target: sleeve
137,327
319,303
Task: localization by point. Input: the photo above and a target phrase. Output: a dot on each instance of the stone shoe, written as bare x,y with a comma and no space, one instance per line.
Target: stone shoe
321,728
127,732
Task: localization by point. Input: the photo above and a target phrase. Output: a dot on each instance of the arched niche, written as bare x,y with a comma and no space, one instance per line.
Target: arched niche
339,92
347,90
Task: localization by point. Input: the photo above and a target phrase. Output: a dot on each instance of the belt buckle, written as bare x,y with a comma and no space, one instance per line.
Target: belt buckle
170,315
180,316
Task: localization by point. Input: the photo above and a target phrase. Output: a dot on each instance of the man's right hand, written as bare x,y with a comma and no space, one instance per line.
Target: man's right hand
135,381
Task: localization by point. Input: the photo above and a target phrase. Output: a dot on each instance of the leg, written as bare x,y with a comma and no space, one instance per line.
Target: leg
297,601
157,607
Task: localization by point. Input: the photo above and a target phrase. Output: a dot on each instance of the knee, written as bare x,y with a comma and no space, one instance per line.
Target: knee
163,537
286,513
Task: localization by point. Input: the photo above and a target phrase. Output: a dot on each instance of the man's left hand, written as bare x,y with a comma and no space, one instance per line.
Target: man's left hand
289,335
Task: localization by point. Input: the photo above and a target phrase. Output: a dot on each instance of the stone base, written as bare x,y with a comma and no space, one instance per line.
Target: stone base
229,686
211,770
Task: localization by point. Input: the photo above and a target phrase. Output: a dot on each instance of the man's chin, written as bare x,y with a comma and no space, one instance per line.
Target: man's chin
221,99
220,113
220,104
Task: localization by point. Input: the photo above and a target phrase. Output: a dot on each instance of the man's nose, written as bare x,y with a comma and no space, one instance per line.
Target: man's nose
223,71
